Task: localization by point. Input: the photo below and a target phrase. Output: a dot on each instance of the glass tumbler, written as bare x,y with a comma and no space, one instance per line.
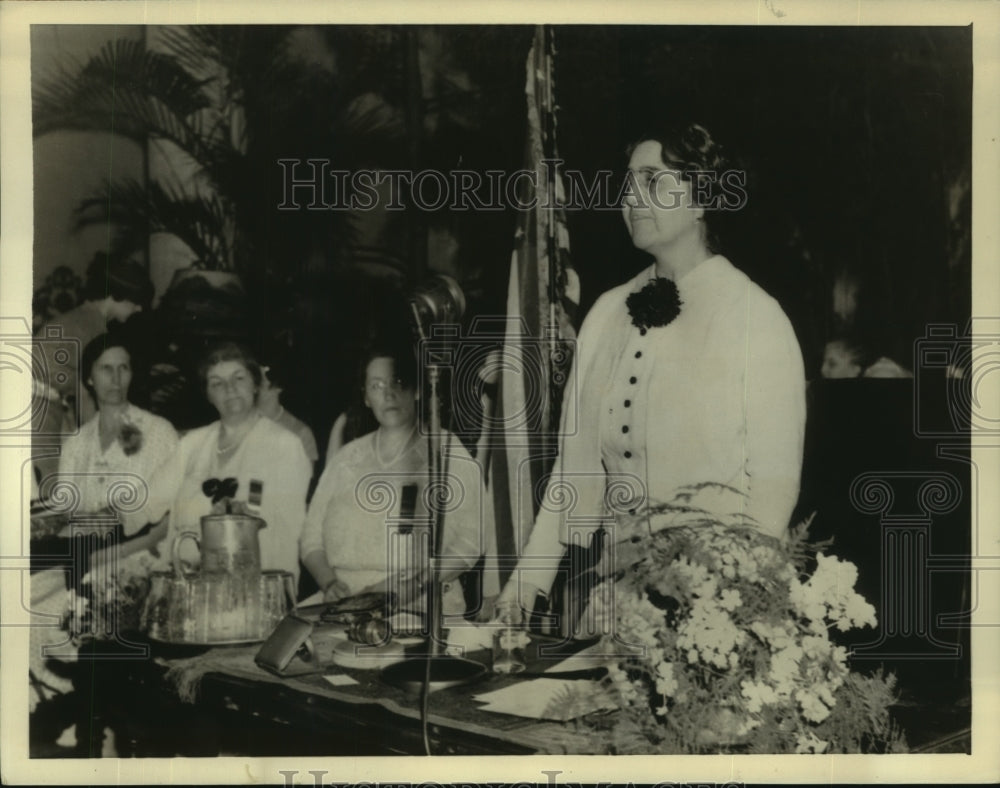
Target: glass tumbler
509,642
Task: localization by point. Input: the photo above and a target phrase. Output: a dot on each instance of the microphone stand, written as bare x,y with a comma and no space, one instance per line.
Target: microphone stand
433,670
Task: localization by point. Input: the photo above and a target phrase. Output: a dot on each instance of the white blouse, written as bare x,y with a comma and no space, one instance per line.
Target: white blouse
272,474
371,518
110,477
717,395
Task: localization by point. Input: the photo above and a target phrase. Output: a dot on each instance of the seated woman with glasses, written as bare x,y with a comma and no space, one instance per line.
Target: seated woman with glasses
368,522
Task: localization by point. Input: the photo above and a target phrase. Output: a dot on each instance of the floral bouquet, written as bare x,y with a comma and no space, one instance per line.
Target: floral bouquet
111,599
722,639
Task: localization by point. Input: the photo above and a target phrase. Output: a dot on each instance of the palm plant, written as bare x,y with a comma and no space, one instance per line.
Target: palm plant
210,100
218,105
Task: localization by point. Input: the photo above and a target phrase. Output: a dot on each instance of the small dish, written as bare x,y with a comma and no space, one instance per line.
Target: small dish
348,654
407,628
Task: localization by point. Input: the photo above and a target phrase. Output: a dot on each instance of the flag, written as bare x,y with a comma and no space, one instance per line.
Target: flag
542,296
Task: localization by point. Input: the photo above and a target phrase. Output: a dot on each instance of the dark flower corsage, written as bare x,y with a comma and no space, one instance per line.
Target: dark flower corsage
130,438
657,304
219,489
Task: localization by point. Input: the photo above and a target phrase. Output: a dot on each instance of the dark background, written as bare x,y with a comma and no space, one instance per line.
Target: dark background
857,144
854,139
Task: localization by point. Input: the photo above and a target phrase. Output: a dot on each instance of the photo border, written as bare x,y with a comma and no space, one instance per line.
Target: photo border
15,302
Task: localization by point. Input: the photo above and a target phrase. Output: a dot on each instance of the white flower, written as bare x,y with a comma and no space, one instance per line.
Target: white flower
826,694
730,599
758,694
808,743
858,612
808,599
816,647
710,631
622,685
666,682
813,707
783,662
777,637
638,621
829,596
761,630
785,669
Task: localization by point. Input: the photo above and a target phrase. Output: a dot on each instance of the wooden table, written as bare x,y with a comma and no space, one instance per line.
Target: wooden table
220,702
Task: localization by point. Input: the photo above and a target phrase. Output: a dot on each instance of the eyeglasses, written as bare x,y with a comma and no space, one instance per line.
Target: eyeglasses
381,386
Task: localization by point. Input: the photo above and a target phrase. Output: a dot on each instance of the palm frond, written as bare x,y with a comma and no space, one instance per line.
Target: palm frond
371,115
371,57
196,47
199,221
128,90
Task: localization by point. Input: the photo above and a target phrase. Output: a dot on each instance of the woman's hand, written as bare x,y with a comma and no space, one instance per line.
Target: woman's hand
334,590
516,597
102,562
487,610
325,576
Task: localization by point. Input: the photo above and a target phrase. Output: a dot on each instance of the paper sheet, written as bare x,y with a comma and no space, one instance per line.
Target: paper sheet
340,679
593,656
547,699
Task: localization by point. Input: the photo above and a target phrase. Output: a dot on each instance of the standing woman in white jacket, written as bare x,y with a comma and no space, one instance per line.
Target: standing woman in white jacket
688,373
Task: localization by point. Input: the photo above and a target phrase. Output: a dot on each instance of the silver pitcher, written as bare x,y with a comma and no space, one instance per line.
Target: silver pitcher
228,544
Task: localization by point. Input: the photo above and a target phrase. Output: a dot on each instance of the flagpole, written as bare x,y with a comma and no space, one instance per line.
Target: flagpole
552,250
541,289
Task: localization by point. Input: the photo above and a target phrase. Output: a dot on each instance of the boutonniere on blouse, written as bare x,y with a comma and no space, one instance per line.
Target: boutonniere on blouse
222,492
657,304
129,436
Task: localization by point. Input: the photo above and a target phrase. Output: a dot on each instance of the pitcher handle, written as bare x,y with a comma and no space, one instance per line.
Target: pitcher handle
176,550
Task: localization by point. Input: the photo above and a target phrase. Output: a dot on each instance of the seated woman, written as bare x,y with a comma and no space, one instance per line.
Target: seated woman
269,401
115,290
247,458
121,443
847,357
367,523
108,462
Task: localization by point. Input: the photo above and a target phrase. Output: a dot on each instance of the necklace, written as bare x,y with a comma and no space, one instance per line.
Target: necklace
399,452
220,449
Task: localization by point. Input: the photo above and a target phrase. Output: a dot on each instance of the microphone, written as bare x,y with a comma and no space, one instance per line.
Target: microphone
438,300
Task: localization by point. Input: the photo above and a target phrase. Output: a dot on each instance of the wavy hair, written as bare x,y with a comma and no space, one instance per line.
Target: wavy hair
690,149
